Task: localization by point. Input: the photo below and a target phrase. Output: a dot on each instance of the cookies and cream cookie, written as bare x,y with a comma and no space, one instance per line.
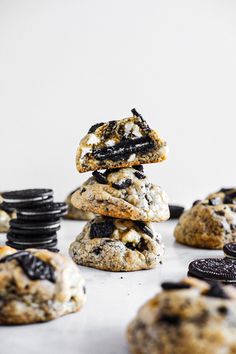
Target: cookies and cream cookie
187,317
38,286
76,214
117,245
122,143
210,223
123,193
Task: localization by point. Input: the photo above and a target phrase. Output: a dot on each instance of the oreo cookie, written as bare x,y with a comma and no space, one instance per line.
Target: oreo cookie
220,269
38,219
176,211
46,212
27,197
124,149
30,239
36,228
230,250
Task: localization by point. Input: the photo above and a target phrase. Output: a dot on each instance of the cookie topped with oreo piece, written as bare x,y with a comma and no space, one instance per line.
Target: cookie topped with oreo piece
117,245
120,143
38,286
121,193
184,318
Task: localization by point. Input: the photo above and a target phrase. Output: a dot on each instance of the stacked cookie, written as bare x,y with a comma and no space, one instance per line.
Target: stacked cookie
37,218
121,237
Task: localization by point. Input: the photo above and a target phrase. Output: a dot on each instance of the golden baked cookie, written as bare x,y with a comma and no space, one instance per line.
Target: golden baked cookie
124,193
208,224
38,286
190,317
117,245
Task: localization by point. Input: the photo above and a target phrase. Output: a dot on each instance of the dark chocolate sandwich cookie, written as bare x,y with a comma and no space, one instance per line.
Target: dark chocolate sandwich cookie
221,269
27,197
230,250
175,211
47,245
23,227
30,239
46,212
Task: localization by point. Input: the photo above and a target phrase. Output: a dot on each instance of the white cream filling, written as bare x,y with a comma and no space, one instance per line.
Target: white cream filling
93,139
110,142
131,236
84,151
132,157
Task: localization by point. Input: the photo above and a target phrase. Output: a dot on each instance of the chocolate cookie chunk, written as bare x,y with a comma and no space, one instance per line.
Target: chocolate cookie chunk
175,211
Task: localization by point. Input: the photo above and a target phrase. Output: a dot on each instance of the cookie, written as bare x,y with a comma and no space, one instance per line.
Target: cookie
38,286
230,250
52,211
221,269
122,143
117,245
175,211
124,193
191,317
25,198
208,224
76,214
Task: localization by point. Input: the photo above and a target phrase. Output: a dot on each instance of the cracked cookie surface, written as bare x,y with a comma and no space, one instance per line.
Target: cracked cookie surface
76,214
187,317
38,286
121,143
210,223
124,193
117,245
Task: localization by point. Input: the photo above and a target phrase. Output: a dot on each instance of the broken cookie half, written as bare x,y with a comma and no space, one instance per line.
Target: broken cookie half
122,143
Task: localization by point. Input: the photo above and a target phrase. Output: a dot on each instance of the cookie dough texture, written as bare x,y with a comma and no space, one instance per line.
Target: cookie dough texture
207,226
23,300
119,246
140,200
185,321
4,221
123,143
76,214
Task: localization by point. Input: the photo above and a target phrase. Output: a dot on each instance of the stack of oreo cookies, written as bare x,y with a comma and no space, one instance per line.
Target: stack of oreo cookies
37,218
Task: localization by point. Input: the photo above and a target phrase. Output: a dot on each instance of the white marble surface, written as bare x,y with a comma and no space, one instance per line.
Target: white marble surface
113,299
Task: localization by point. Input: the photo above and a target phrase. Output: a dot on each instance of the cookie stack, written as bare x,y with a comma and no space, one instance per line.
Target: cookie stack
37,218
122,238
